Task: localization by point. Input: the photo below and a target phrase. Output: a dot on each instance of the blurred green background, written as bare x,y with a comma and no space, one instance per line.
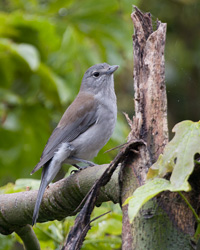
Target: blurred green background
45,48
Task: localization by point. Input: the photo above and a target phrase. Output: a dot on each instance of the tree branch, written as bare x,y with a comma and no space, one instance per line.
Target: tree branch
28,237
60,200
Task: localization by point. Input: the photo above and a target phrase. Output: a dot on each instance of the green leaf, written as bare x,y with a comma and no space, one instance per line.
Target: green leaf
105,231
178,158
9,97
62,88
20,185
49,230
27,52
179,153
30,54
187,144
7,189
147,192
32,184
108,243
6,241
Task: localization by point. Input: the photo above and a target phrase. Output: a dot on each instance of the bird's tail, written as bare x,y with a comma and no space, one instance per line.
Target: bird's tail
44,183
49,172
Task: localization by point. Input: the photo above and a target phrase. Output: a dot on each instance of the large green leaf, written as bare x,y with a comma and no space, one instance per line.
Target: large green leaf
178,156
148,191
186,144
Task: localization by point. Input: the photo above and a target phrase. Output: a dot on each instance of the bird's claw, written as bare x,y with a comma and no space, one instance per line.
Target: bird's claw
74,171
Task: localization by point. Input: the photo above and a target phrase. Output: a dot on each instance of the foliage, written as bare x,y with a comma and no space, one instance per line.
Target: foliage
105,232
178,156
6,242
177,159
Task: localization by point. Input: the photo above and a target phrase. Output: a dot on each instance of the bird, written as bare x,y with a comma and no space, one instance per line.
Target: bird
85,127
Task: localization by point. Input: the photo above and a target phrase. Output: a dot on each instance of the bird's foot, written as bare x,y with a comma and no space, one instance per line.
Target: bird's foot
74,170
79,168
89,163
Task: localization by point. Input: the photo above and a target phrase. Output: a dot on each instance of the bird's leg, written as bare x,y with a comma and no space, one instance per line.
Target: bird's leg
80,168
76,166
75,171
89,163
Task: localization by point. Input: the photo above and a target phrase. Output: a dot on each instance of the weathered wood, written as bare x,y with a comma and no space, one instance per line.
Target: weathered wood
149,83
152,228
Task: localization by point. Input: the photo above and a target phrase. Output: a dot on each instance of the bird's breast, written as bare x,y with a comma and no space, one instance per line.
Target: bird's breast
88,144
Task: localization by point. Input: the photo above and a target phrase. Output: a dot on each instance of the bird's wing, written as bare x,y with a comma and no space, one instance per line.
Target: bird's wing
80,115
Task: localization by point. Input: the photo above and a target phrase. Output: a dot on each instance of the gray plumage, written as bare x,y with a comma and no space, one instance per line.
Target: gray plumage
84,128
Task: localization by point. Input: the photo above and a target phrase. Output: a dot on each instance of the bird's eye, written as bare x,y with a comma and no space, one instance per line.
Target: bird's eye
96,74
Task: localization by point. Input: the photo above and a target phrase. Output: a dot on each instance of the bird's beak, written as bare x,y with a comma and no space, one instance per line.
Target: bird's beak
112,69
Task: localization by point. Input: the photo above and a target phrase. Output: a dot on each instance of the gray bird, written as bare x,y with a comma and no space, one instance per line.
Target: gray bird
84,128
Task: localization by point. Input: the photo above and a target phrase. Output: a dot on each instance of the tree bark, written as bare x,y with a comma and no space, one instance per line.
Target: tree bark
60,200
29,238
152,228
